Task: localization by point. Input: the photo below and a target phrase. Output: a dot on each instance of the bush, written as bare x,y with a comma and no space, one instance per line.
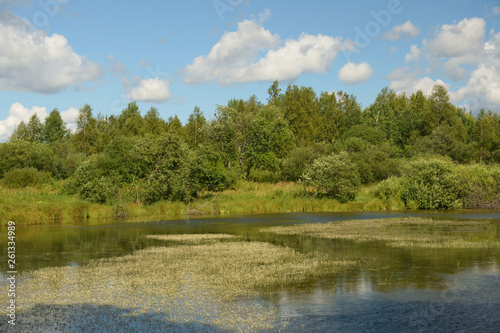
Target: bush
294,165
432,184
19,178
389,189
99,190
481,185
335,175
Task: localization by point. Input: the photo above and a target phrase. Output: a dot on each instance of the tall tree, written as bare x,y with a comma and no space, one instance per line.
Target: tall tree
194,127
85,138
486,134
31,131
300,107
130,121
153,124
54,127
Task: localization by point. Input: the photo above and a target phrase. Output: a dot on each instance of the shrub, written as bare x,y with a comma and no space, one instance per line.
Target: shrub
18,178
99,190
481,186
388,189
432,184
335,175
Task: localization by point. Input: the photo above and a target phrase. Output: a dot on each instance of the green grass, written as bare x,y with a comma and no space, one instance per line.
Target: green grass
48,205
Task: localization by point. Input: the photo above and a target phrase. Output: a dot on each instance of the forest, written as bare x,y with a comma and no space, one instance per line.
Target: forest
408,152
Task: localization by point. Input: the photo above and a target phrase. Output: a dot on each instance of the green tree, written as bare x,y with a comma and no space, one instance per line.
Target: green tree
486,134
195,128
300,107
274,93
327,112
54,128
130,121
253,134
85,138
153,124
419,106
33,131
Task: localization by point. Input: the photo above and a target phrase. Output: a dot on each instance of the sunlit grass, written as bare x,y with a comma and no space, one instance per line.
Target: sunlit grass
193,238
409,232
211,284
48,205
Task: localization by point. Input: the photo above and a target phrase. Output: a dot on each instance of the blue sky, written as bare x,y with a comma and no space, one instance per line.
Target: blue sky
176,55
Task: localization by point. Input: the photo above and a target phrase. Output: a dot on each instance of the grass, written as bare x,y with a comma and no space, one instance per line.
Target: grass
409,232
48,205
212,285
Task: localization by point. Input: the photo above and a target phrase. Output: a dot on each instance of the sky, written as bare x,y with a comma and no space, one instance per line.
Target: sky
176,55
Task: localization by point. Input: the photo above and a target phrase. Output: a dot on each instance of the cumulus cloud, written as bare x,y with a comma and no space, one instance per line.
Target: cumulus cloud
404,30
152,90
482,89
351,73
404,80
69,117
495,10
18,113
464,53
453,40
414,54
31,61
252,53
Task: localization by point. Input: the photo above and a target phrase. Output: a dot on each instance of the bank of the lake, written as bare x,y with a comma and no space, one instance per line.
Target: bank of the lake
49,205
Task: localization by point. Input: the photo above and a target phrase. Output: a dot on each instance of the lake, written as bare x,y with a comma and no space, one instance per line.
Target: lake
377,288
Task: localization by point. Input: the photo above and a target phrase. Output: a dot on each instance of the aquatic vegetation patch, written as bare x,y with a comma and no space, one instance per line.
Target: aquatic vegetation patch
408,232
193,238
213,285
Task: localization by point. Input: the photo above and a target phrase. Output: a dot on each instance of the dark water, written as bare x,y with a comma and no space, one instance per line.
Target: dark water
391,290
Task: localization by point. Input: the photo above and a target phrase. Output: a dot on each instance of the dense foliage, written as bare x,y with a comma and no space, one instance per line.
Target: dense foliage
420,149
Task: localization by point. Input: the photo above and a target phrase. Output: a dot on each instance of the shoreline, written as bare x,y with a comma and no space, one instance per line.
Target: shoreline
47,206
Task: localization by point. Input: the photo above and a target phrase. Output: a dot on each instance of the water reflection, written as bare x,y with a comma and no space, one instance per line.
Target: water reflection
469,302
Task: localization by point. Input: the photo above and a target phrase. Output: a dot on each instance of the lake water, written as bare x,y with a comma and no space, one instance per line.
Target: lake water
392,289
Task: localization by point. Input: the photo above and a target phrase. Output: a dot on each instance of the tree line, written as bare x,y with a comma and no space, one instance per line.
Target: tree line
326,141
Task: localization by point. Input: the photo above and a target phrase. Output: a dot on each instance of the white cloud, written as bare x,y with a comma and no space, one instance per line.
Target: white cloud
482,89
402,80
18,113
414,54
495,10
152,90
69,117
252,53
463,52
406,29
454,40
351,73
31,61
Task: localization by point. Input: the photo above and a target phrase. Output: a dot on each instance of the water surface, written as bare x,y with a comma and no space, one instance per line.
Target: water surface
391,289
